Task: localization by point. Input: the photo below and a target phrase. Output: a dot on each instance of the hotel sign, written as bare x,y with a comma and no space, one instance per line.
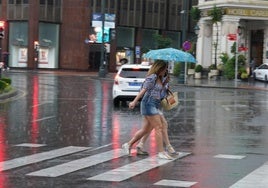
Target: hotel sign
247,12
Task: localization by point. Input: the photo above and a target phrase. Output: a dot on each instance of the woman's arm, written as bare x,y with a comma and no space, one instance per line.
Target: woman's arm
137,98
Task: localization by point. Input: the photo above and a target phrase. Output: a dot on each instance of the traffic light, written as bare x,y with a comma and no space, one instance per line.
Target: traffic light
2,29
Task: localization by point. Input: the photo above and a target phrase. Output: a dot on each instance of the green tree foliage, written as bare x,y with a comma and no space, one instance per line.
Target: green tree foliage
195,14
198,68
216,16
177,69
229,64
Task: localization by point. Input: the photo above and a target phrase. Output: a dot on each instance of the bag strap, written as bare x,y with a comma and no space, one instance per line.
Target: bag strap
169,92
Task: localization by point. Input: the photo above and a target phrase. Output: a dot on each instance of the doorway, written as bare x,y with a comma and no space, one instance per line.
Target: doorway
257,38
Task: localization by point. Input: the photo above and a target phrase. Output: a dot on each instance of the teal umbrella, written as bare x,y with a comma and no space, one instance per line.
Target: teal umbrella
170,54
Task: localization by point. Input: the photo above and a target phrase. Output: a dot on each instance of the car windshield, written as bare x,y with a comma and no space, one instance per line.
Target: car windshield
133,72
264,66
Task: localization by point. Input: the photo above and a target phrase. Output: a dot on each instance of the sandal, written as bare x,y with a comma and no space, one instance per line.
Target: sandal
141,152
171,150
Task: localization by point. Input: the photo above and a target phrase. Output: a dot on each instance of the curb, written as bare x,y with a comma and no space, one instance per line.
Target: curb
8,95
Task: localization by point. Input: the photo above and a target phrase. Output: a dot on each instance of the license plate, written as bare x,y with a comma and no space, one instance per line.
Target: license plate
134,83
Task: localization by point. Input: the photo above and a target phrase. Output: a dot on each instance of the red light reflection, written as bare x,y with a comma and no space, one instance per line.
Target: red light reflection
3,179
35,111
115,134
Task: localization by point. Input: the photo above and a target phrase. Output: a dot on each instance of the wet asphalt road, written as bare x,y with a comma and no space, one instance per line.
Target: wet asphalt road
61,110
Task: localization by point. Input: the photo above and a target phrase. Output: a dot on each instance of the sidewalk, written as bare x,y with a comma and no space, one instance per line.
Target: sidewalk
224,83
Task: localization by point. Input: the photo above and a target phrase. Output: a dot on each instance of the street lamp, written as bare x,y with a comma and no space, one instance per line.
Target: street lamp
196,30
184,25
238,33
102,71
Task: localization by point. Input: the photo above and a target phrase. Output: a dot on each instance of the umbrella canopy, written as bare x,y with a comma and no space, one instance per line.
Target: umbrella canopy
170,54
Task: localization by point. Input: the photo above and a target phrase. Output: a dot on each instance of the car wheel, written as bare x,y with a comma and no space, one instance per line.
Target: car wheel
116,102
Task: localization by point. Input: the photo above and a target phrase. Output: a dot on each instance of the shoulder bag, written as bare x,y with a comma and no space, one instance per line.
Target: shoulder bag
170,101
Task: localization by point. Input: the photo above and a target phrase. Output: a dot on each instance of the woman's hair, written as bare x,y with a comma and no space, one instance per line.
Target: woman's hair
157,67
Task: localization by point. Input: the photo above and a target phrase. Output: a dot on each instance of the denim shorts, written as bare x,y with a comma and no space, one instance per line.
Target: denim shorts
150,106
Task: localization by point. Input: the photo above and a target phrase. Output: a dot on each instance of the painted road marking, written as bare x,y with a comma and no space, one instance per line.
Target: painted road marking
175,183
30,145
257,178
79,164
30,159
133,169
224,156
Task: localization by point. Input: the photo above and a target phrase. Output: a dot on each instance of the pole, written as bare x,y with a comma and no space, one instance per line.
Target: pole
184,26
236,57
1,58
1,49
102,71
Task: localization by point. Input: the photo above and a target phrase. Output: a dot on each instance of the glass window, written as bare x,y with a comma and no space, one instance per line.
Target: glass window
49,45
18,40
58,2
147,38
112,4
175,37
42,2
134,72
150,7
126,38
50,2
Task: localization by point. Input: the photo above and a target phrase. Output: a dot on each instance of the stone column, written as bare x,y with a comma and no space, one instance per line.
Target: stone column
229,26
265,48
204,43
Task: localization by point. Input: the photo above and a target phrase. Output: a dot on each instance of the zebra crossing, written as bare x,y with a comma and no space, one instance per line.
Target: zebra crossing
257,177
128,171
35,158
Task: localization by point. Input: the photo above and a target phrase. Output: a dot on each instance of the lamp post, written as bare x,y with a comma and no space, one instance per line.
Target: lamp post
238,33
102,69
196,30
183,38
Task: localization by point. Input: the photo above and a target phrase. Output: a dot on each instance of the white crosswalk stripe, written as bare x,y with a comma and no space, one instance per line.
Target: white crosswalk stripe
79,164
256,179
26,160
133,169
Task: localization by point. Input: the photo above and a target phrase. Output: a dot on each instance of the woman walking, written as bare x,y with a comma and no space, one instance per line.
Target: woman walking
170,150
150,104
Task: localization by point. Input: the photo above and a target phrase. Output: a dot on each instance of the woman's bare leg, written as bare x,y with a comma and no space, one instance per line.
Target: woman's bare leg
155,121
169,148
165,130
145,130
165,134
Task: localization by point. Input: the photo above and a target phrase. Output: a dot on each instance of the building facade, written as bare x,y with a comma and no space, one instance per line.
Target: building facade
62,34
244,22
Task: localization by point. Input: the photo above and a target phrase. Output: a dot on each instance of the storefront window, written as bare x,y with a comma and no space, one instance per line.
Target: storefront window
175,37
49,45
125,44
148,39
18,40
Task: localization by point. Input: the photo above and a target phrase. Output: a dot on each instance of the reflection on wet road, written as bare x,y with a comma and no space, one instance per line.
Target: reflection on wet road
224,130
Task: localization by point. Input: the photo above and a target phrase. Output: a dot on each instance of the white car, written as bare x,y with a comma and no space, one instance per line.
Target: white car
261,72
128,81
